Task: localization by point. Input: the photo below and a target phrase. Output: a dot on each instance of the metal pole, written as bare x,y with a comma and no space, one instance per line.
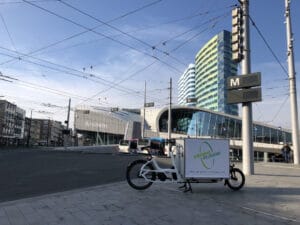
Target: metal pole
68,118
248,166
196,125
48,132
29,130
143,125
292,81
170,114
66,136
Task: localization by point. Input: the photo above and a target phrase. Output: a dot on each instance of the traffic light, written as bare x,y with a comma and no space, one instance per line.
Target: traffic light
237,32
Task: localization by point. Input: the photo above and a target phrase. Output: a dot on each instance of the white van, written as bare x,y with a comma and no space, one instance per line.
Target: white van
128,146
133,146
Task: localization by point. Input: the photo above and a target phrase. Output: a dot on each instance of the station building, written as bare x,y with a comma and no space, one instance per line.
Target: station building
109,127
102,126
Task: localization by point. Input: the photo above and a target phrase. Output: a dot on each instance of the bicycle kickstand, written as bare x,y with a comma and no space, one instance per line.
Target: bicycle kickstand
187,187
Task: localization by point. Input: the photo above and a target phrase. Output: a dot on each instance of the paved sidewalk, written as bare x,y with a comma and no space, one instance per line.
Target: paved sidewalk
272,196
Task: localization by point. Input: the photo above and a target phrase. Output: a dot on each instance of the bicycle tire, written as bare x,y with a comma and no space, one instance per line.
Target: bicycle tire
236,180
134,179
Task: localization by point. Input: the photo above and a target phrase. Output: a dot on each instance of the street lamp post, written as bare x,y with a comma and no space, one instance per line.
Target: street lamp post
29,129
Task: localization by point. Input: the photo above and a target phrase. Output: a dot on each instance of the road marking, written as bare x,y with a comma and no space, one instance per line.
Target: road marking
270,214
280,166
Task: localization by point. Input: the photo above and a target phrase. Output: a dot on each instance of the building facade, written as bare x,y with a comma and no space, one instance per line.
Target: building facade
213,64
12,123
195,122
43,132
186,87
99,125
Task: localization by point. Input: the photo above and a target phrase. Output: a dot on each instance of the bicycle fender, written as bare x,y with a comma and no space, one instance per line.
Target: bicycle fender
137,161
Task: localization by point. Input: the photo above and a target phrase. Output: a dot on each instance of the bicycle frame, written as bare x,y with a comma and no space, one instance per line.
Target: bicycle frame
168,173
151,172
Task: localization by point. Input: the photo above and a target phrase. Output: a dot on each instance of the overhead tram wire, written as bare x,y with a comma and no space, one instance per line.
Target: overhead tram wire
51,68
78,73
86,31
43,88
8,33
193,37
155,61
197,34
172,50
279,109
277,60
122,32
119,30
105,23
117,18
48,105
103,35
192,29
268,46
153,26
108,88
21,2
86,76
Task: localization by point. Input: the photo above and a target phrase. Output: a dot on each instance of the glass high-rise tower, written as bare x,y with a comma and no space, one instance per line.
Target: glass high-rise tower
186,86
213,64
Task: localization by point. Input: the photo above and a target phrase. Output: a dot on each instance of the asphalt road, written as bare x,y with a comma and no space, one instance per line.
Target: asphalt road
27,173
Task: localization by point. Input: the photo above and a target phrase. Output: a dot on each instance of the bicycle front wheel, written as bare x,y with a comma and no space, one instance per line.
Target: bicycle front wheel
133,177
236,180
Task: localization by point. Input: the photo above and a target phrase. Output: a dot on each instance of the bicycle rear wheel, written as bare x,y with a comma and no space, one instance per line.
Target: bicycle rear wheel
236,180
133,177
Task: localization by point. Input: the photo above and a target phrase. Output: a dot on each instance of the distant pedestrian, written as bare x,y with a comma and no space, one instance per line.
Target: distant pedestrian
286,153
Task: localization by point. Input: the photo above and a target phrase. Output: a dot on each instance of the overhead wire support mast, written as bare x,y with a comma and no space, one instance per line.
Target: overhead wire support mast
170,116
247,120
144,113
292,80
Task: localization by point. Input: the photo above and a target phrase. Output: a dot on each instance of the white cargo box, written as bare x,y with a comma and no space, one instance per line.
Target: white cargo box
203,158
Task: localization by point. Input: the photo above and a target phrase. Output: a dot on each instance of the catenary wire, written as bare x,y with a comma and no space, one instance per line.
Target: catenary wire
21,2
150,27
191,29
7,31
103,35
196,35
279,109
88,76
78,73
86,31
121,31
268,46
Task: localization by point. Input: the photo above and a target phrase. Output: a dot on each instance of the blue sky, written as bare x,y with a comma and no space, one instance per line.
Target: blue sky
141,40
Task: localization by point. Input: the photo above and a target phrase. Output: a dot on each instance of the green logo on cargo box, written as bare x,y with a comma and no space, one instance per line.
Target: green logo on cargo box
207,155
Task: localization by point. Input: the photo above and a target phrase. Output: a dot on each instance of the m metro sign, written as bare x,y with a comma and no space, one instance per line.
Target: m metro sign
244,81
